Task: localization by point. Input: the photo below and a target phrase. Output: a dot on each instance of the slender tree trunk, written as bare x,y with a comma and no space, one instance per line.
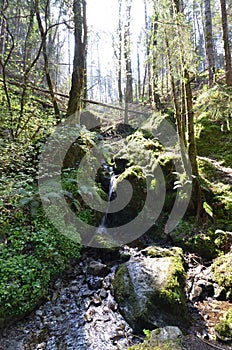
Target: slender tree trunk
174,93
46,63
3,7
209,47
226,43
139,75
183,111
127,55
119,55
148,58
78,75
155,95
191,133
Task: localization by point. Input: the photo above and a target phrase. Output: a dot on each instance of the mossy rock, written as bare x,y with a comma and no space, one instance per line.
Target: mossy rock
140,151
207,243
222,271
89,120
131,205
158,252
224,328
167,338
150,292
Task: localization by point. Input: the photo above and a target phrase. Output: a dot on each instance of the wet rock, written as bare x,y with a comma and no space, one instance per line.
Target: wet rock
106,284
219,292
57,311
94,283
85,292
74,289
195,293
163,338
150,292
135,176
88,317
96,268
39,313
169,335
103,294
96,300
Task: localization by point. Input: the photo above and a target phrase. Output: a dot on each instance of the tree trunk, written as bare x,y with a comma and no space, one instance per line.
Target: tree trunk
139,75
78,75
46,63
127,56
226,43
120,95
209,47
3,7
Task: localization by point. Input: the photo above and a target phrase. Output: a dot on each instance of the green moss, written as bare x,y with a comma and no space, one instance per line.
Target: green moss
218,192
173,293
222,271
148,343
165,295
204,240
141,151
135,176
157,252
224,327
211,140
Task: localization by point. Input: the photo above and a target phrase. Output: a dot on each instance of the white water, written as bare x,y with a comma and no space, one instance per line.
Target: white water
102,228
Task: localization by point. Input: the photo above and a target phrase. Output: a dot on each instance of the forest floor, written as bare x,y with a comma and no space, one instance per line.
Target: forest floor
224,173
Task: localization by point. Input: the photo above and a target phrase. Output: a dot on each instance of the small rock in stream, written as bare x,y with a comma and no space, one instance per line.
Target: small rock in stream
94,283
96,268
96,300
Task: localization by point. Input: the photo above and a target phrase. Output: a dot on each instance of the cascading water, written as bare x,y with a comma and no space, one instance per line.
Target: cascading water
103,226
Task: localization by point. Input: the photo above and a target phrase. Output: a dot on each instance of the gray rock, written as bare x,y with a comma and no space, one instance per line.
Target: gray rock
169,335
195,293
150,292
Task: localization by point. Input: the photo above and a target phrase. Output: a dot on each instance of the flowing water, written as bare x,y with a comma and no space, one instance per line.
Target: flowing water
102,229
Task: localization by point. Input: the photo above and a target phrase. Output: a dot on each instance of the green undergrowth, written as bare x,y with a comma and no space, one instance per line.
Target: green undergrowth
213,125
32,250
210,235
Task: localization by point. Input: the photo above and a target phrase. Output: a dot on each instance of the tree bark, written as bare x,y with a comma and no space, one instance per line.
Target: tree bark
78,75
46,63
209,47
120,95
127,56
226,43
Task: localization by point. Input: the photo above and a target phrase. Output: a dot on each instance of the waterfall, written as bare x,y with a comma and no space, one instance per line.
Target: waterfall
103,228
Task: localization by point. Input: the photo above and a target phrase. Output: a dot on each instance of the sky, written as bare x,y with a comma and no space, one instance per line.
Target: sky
102,21
103,14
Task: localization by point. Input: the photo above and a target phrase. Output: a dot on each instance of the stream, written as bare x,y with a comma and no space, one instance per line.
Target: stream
80,312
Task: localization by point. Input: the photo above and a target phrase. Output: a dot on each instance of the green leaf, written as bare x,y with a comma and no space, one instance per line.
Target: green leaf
208,209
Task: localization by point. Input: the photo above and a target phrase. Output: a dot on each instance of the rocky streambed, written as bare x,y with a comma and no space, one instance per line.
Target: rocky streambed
81,313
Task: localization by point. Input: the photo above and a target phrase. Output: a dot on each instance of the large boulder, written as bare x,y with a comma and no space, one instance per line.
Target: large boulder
222,273
150,290
131,197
